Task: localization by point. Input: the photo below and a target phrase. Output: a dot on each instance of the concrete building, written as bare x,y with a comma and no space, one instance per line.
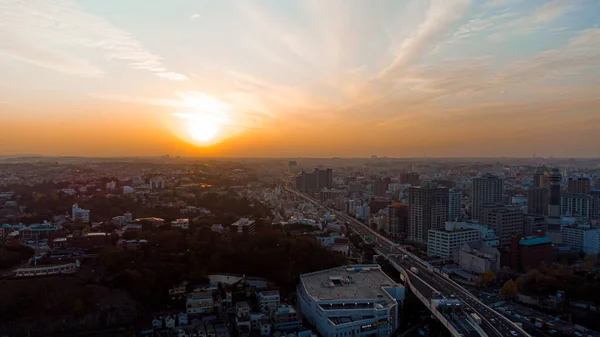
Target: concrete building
444,243
582,238
350,301
529,252
199,302
476,258
428,209
579,185
80,214
285,318
410,178
454,205
537,201
243,226
314,181
504,220
554,180
397,216
487,189
268,301
534,223
157,183
181,223
577,206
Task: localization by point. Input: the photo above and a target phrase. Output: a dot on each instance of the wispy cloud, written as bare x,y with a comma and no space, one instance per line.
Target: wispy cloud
195,16
50,26
440,17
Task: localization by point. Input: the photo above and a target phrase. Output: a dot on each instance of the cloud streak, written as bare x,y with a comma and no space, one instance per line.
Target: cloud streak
61,24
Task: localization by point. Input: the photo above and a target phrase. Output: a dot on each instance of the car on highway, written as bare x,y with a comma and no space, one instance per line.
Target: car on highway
513,333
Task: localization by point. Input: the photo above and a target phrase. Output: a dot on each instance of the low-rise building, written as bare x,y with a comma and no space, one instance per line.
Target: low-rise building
268,301
243,226
529,252
446,242
286,318
242,308
199,302
181,223
474,257
80,214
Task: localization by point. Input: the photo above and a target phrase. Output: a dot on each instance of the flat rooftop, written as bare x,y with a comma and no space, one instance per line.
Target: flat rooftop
359,282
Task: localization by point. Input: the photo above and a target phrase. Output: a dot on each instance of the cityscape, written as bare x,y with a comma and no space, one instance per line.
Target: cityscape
171,246
299,168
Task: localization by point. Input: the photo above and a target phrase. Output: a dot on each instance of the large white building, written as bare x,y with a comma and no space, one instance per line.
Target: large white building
350,301
477,258
80,213
444,243
582,238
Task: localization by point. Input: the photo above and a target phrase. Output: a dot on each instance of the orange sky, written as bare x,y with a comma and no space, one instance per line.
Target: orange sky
309,78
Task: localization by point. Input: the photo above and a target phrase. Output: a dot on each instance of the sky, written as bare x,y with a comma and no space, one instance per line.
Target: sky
306,78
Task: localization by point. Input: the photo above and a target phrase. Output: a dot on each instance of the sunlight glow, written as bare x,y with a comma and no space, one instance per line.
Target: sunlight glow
203,128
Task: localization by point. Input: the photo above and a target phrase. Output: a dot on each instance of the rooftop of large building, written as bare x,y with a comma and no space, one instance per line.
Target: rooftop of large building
355,282
534,241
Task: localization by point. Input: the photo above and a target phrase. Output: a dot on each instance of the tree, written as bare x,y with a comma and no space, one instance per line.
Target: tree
509,289
489,276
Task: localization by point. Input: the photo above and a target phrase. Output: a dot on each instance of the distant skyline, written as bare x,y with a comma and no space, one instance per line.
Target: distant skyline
306,78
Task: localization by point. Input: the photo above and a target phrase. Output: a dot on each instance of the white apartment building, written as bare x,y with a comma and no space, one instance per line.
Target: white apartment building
268,301
199,302
582,238
444,243
80,213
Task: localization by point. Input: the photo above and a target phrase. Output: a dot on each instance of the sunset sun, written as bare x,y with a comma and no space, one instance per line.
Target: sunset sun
203,128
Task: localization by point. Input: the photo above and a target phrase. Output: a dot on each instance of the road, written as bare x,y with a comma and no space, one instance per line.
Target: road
493,323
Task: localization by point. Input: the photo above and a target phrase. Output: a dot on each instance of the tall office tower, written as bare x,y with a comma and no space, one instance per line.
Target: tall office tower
539,177
379,187
428,209
579,186
537,201
314,181
554,180
411,178
398,220
454,205
595,208
504,220
486,190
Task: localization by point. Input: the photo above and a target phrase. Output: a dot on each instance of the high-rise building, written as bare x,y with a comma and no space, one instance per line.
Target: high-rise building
411,178
579,186
504,220
554,180
595,208
398,220
454,205
539,177
534,223
314,181
428,209
577,206
379,187
537,201
487,189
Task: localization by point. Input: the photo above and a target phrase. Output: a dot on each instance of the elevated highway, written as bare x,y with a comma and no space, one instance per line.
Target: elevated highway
431,284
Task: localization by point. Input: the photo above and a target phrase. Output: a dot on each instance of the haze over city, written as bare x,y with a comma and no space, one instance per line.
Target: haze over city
446,78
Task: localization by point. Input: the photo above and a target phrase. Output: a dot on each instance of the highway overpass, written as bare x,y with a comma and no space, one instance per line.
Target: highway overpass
431,285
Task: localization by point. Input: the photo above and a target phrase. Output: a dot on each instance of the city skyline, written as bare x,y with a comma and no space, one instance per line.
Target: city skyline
460,78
